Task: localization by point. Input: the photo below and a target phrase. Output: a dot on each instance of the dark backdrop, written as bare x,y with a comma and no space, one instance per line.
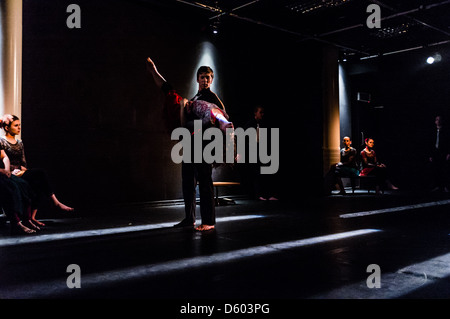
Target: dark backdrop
407,94
92,116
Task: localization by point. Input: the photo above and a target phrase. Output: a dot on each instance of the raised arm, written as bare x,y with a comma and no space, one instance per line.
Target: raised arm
157,77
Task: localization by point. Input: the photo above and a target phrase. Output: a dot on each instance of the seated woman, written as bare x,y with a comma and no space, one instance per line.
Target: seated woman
371,166
37,178
14,199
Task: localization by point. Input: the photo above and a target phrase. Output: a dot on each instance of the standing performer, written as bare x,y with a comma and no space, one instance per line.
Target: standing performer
206,106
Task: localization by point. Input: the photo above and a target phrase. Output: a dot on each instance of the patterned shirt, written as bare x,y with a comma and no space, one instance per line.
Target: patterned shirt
348,157
15,153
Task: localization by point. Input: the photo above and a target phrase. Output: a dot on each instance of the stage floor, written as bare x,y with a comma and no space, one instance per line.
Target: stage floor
317,248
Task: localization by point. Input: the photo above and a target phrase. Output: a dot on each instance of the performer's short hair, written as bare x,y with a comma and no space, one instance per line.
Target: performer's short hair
257,107
205,69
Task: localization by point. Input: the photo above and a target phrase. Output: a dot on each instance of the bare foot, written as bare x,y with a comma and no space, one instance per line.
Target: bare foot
25,229
35,221
64,207
31,225
204,227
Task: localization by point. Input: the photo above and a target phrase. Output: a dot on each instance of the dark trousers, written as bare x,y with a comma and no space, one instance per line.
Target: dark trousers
15,198
39,183
380,174
257,184
202,173
439,172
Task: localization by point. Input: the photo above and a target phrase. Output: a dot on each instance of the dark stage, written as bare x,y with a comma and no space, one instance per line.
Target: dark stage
259,251
92,118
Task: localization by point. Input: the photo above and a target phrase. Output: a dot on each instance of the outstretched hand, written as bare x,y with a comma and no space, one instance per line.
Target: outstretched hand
150,65
151,68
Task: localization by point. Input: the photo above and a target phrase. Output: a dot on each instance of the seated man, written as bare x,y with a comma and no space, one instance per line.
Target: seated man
347,167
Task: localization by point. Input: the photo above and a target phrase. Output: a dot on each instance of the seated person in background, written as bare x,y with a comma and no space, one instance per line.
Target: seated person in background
14,200
37,178
347,167
371,166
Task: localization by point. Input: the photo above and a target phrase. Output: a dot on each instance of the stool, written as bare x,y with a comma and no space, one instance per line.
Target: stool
224,201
